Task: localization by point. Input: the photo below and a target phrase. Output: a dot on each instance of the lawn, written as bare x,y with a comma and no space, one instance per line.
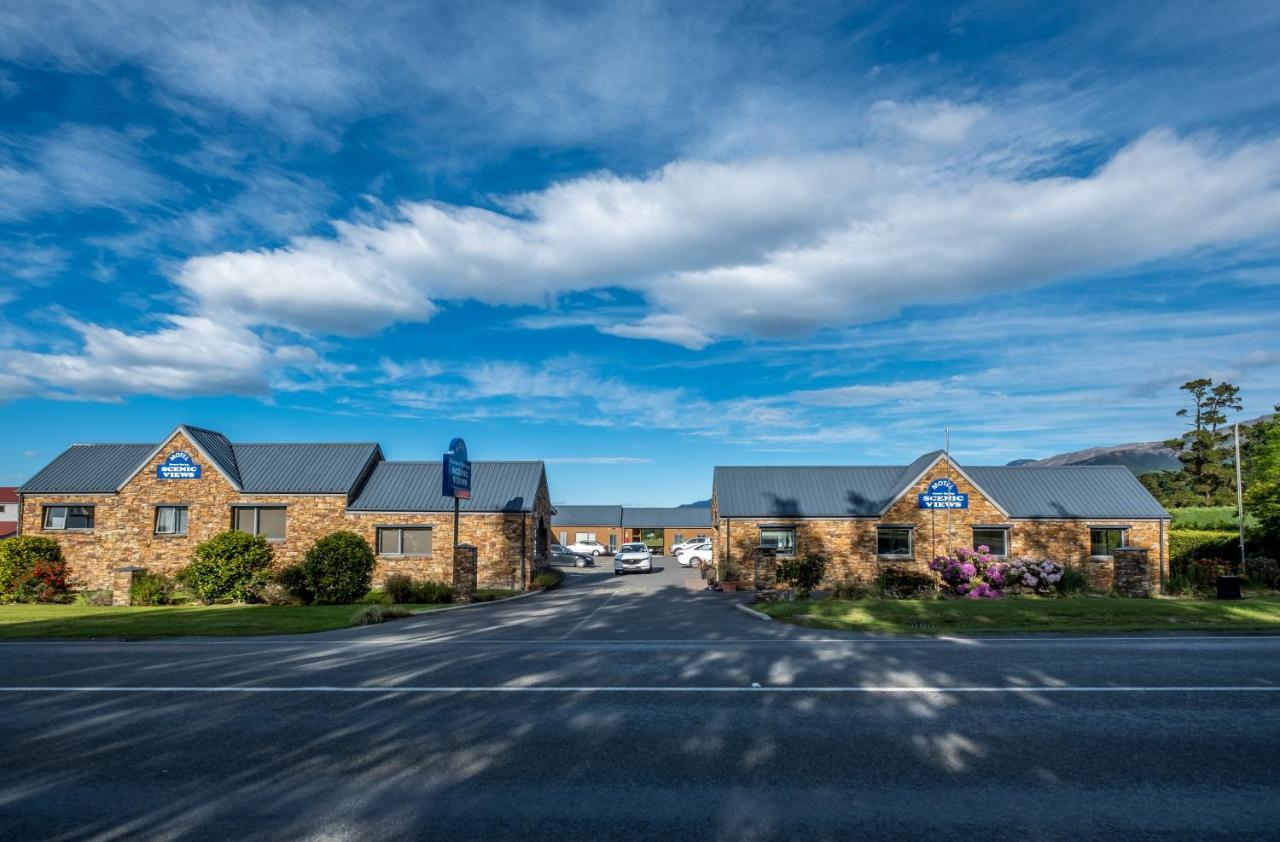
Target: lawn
1079,614
174,620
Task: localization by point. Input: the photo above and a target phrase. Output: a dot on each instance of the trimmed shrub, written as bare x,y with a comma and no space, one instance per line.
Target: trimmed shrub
32,570
338,569
151,589
1191,544
803,574
430,592
547,579
230,565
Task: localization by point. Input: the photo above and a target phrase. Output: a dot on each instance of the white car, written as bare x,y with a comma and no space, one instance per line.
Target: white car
676,549
632,558
696,555
594,548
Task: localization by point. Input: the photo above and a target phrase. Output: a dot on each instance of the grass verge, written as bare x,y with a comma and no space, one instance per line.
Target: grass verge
18,621
1081,614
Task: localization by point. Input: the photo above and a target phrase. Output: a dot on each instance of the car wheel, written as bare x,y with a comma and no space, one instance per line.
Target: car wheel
595,552
580,563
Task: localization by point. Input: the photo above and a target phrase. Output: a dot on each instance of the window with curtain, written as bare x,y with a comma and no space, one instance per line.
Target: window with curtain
68,517
171,520
781,537
267,521
404,540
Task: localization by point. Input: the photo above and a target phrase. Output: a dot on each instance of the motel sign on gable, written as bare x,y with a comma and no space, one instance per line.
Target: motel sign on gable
942,494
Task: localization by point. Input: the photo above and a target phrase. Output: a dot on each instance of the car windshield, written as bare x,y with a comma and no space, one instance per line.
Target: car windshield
634,548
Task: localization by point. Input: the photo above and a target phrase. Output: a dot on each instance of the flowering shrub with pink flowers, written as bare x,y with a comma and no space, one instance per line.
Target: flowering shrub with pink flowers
1034,575
972,574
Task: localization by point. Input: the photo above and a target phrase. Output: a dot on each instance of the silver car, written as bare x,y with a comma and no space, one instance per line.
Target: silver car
633,558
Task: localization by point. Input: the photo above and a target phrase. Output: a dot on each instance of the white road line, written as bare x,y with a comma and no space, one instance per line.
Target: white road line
870,689
448,638
570,633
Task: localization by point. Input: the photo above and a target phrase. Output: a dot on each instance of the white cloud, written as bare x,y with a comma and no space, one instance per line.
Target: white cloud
189,356
929,122
770,247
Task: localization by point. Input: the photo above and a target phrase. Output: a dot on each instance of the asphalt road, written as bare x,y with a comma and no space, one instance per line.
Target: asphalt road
627,707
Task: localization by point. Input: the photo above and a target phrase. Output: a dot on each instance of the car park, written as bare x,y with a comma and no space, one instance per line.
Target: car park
592,548
633,558
696,555
562,555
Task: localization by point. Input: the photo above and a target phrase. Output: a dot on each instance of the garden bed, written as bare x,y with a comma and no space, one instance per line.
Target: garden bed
1029,614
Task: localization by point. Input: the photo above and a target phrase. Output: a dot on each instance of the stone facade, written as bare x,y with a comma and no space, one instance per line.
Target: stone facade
124,528
849,544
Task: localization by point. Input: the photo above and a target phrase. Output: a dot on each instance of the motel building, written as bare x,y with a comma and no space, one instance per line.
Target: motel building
866,519
148,505
613,526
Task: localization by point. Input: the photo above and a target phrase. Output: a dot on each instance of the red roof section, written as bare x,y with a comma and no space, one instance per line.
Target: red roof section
8,494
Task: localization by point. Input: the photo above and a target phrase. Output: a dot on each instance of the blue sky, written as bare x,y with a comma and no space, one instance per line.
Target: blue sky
635,240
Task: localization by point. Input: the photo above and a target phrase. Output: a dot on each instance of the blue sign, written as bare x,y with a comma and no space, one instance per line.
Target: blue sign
457,471
178,466
942,494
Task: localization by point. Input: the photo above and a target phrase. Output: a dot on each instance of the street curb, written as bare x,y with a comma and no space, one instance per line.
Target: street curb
752,613
502,601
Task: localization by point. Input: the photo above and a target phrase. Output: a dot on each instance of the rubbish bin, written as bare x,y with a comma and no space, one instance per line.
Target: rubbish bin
1229,587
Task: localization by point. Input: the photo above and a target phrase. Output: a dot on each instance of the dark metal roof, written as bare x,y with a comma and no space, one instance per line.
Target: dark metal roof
218,448
1068,491
587,516
302,468
1024,492
89,469
818,491
415,487
683,516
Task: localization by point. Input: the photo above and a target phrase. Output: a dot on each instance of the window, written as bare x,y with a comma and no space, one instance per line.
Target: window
564,537
3,508
893,541
583,536
1104,541
68,517
404,540
994,538
679,537
613,541
267,521
781,537
171,520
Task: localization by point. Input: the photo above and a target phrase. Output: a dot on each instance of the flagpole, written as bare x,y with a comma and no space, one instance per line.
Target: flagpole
1239,498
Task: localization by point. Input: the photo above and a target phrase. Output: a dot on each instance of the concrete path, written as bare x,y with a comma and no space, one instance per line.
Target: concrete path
636,707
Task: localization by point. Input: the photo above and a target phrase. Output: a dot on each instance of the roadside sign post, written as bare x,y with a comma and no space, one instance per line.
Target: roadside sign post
1239,499
456,480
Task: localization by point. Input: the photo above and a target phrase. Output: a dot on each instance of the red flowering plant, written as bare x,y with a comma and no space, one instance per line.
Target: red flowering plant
47,581
971,573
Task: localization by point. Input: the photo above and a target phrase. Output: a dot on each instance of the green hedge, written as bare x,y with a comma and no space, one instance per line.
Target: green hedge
230,565
32,569
337,570
1191,544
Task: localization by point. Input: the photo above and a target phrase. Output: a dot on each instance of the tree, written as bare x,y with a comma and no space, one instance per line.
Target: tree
1203,450
1263,468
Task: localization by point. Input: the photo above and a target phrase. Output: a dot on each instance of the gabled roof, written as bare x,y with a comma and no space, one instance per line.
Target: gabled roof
1073,492
250,468
416,487
690,517
89,469
587,516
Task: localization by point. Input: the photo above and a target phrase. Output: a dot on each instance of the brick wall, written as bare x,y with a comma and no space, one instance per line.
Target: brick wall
849,544
124,528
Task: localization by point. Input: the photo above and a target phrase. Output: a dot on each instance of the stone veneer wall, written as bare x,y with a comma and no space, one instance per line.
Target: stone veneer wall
849,544
124,528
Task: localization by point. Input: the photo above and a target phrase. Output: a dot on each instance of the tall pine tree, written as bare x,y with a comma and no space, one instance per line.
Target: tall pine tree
1204,449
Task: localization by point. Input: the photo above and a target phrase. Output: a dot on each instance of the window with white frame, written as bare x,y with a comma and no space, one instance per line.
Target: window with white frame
412,541
267,521
68,517
893,541
782,538
171,520
579,537
994,538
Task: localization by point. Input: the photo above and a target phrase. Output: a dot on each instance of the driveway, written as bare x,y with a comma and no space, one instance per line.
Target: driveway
631,707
